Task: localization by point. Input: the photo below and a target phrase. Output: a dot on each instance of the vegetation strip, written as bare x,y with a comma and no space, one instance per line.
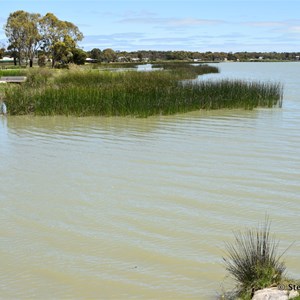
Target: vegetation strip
142,94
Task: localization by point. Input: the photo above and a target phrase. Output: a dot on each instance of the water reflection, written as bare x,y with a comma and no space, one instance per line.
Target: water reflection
3,120
118,125
3,135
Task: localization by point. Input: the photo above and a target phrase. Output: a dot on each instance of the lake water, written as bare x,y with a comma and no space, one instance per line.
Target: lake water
128,208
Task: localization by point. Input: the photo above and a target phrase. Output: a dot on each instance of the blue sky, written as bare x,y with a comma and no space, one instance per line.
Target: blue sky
266,25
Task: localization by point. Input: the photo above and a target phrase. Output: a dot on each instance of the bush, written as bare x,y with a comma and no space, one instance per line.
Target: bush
253,260
38,77
42,61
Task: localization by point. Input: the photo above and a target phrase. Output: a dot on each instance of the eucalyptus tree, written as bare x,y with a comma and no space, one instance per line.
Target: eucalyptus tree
22,31
29,32
59,37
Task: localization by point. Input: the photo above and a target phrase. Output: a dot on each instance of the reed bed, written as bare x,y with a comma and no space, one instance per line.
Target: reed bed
183,70
117,65
233,94
140,94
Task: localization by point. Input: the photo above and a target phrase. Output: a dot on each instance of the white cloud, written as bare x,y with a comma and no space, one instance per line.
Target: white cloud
172,22
286,26
264,24
193,22
138,14
293,29
117,41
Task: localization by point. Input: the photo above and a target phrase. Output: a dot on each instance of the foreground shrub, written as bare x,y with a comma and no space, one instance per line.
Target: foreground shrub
253,260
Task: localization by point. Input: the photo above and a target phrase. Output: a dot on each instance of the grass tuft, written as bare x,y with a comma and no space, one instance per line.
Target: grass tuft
253,260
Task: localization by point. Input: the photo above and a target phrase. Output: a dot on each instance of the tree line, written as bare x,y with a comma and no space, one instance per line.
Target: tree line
109,55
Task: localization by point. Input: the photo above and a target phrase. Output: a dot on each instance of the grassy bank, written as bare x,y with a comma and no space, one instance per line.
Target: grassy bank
90,92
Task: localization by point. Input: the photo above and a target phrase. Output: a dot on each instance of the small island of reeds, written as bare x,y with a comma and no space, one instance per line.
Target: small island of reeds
169,90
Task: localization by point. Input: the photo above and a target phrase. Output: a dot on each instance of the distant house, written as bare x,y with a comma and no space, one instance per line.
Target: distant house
91,60
6,59
257,59
122,59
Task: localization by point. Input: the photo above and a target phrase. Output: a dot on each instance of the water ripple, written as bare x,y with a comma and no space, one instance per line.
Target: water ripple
141,208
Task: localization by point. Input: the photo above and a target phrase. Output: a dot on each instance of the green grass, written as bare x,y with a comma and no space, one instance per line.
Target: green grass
92,92
13,72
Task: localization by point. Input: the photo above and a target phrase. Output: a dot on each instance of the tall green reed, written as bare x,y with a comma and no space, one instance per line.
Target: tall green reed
94,92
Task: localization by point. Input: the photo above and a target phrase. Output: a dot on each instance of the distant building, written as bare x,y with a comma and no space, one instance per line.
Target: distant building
6,59
91,60
122,59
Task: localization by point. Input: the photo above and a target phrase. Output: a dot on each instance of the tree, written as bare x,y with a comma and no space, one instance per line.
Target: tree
79,56
109,55
42,60
34,38
140,56
231,56
61,54
12,51
29,32
96,54
14,30
55,33
22,30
